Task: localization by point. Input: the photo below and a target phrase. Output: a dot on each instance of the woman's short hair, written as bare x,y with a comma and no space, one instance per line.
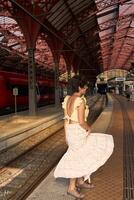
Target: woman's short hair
74,83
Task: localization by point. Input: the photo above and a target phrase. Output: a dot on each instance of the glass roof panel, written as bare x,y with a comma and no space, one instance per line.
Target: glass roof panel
112,74
108,31
7,20
132,24
127,8
106,17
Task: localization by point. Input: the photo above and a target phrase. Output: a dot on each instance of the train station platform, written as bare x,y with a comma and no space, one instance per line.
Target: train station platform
15,128
107,181
26,168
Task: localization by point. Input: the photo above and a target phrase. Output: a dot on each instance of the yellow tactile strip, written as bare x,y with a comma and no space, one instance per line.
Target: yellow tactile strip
108,180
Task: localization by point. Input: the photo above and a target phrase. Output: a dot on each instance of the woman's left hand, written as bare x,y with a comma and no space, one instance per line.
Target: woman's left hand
89,130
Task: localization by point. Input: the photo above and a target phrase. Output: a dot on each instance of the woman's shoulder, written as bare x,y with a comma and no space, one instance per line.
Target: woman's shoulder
66,97
78,101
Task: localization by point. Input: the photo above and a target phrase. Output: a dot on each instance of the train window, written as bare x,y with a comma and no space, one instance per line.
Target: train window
51,90
46,90
22,89
42,90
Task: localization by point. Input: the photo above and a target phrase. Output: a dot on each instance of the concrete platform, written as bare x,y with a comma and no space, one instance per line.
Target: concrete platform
51,189
16,123
15,128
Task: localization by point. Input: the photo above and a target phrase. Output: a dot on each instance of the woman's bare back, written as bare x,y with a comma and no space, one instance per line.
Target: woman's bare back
70,105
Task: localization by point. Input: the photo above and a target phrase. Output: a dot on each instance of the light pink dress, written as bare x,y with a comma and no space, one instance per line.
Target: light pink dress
85,153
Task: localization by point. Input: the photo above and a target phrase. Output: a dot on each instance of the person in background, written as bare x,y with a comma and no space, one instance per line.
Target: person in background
128,93
86,151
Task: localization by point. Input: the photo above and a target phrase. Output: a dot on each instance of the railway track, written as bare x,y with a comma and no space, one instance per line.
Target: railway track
21,175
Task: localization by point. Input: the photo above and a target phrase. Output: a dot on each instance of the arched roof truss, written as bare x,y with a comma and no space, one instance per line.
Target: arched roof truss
99,33
116,23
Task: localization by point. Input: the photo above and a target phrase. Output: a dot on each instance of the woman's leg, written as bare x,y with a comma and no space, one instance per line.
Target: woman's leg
81,184
80,180
72,184
72,189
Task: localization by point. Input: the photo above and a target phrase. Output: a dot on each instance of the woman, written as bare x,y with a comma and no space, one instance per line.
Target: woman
86,151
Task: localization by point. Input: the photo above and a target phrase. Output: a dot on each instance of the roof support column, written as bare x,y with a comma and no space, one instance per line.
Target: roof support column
57,92
32,82
55,45
25,13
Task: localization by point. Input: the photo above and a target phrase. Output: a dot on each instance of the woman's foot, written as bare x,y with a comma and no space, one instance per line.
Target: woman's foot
85,185
75,194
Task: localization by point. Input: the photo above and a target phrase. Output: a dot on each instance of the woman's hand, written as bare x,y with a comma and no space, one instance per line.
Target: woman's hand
89,130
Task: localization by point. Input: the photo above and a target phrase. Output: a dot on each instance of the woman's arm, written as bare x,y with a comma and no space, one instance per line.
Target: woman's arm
81,117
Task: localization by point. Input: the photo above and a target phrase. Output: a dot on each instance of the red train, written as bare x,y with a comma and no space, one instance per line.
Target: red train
10,80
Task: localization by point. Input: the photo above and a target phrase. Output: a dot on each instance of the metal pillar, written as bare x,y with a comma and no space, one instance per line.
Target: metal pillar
32,82
57,92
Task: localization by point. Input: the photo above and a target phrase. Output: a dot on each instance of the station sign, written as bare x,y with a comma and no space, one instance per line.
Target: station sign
120,79
15,91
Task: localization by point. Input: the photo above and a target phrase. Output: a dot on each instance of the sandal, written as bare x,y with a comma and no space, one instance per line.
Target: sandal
75,194
85,185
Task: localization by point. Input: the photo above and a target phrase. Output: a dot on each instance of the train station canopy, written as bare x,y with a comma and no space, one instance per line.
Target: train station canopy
112,74
85,36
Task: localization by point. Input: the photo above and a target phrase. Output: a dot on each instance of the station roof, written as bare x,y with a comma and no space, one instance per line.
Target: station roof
98,32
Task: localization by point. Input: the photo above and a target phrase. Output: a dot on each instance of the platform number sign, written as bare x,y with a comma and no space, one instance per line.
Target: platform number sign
15,91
